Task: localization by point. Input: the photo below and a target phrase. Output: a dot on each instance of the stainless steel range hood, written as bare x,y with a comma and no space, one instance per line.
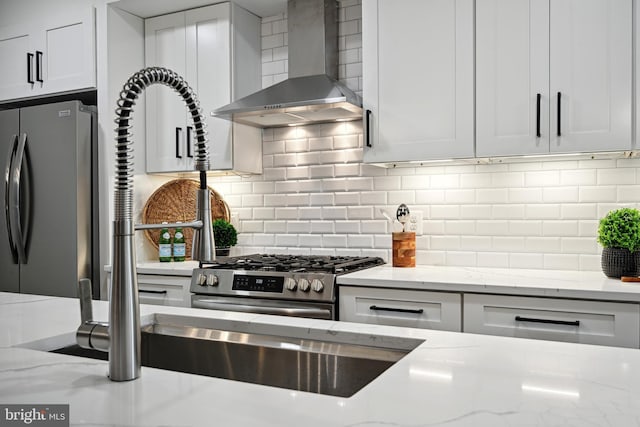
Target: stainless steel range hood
312,94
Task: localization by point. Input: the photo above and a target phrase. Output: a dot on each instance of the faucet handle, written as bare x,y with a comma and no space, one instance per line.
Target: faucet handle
90,334
85,295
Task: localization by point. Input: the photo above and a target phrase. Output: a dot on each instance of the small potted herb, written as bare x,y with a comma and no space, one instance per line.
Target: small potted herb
619,235
225,236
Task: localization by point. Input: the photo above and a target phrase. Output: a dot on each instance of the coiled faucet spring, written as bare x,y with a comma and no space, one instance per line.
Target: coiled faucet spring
134,86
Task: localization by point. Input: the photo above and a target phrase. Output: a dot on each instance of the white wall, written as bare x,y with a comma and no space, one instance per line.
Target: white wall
316,197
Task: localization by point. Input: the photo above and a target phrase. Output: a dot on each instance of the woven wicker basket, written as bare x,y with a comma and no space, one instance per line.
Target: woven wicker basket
176,201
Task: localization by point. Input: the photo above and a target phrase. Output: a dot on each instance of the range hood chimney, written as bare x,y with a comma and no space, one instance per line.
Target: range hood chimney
312,93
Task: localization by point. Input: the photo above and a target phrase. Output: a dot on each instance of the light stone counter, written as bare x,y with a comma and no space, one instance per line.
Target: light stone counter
549,283
451,379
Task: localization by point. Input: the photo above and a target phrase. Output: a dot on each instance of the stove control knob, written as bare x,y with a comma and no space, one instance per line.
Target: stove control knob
304,285
212,280
317,285
290,283
201,280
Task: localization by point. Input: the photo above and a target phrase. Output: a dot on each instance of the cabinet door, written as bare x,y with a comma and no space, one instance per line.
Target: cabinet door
165,110
65,52
590,75
164,290
587,322
208,70
408,308
418,79
512,75
17,67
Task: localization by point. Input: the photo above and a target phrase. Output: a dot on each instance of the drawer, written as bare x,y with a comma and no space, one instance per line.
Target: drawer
415,309
164,290
577,321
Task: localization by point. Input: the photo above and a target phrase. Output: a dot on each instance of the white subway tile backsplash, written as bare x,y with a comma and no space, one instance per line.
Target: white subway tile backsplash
542,211
476,243
525,228
526,260
334,212
274,227
508,211
321,144
459,196
493,259
321,199
359,184
347,199
398,197
348,169
476,212
448,243
298,227
444,181
579,245
543,178
543,244
287,240
628,193
509,243
334,241
309,213
311,241
616,176
250,200
461,258
263,213
492,195
599,194
492,228
430,196
561,261
360,212
275,200
297,200
322,171
445,211
459,227
322,227
287,213
560,228
253,226
296,145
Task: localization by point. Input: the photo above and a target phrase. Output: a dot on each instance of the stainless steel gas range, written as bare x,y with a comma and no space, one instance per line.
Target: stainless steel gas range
289,285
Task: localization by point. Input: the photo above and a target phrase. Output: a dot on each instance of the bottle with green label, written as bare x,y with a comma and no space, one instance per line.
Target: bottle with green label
164,245
179,246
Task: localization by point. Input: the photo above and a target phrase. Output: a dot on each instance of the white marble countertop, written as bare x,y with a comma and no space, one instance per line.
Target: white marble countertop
548,283
451,379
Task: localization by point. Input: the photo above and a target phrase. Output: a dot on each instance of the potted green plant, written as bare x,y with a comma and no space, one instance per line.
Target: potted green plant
619,235
225,236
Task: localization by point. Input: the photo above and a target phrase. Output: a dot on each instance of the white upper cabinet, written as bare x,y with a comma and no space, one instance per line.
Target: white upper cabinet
202,45
50,55
591,68
417,79
553,77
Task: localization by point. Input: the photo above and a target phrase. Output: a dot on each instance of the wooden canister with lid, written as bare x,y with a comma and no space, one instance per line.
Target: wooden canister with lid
403,249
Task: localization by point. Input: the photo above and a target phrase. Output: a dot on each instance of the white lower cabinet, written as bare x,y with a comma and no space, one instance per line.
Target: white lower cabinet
159,290
415,309
578,321
164,290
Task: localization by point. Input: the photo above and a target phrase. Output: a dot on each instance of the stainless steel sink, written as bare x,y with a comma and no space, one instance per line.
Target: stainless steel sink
323,366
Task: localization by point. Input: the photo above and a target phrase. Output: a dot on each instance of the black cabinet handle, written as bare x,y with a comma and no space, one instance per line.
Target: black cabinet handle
189,154
538,134
559,133
367,127
39,66
149,291
551,321
178,132
30,68
399,310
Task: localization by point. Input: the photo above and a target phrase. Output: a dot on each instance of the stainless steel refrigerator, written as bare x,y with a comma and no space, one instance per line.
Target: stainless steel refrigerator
48,236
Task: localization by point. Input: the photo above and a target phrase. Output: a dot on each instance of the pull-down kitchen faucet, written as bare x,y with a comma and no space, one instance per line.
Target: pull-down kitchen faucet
121,336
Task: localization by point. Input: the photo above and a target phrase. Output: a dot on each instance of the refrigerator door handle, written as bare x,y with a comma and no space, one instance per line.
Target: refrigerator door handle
8,212
14,201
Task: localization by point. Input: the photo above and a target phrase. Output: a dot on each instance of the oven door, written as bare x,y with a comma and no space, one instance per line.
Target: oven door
265,306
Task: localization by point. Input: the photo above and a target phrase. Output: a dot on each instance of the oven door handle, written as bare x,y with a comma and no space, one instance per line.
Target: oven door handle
257,309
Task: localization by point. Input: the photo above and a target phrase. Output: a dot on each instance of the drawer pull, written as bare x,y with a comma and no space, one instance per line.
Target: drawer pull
400,310
555,322
149,291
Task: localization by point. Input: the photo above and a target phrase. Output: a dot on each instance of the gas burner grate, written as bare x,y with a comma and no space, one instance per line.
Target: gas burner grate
297,263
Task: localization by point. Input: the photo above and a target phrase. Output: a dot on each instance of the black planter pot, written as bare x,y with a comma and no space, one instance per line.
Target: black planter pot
223,251
618,262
